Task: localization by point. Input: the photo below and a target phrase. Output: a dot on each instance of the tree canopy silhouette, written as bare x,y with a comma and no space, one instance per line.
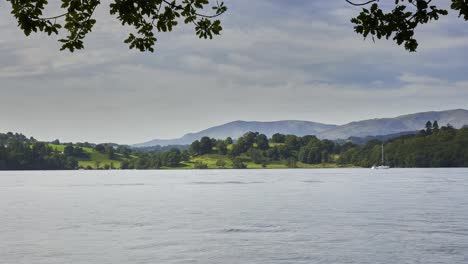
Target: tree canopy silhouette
145,16
401,22
398,20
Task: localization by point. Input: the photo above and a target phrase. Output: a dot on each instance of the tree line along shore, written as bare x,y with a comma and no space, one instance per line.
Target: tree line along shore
433,146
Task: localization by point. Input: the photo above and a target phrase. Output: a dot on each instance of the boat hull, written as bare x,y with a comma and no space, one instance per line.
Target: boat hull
380,167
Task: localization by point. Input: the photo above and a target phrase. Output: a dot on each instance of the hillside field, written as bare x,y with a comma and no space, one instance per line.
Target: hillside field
95,160
99,160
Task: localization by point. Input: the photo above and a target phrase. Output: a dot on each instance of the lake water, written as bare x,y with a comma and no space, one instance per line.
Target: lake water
229,216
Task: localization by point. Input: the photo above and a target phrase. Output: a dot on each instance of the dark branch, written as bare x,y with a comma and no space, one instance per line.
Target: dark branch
178,7
54,17
361,4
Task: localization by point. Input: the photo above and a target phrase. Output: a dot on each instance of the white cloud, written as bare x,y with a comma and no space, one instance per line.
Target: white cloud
420,79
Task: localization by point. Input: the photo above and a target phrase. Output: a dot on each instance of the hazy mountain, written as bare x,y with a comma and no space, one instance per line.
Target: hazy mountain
373,127
364,140
386,126
238,128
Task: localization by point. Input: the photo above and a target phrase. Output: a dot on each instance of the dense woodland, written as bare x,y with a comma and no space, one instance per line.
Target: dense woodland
430,147
252,146
20,153
17,152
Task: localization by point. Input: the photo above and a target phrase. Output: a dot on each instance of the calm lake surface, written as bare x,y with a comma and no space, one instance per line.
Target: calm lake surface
229,216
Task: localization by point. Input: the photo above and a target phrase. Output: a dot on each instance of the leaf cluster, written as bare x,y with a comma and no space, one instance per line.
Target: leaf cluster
401,22
146,17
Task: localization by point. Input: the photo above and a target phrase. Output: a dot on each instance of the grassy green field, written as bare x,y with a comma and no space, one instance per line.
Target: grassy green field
211,160
100,160
95,160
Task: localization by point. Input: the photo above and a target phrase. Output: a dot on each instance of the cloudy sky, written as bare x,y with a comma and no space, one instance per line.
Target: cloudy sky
276,60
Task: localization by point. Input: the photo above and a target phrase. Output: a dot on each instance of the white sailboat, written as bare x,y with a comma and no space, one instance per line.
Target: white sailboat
382,166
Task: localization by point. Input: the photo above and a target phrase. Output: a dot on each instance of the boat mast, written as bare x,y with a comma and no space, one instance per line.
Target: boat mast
382,155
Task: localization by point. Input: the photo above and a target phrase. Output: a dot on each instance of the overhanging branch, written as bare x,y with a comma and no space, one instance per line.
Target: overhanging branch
361,4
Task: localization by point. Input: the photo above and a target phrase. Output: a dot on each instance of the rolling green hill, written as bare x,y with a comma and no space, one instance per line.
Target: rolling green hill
95,160
98,160
211,161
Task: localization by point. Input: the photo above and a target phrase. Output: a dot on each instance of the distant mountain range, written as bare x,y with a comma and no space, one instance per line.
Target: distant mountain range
365,128
404,123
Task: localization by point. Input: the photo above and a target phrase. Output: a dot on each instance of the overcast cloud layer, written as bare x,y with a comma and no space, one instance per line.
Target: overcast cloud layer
276,60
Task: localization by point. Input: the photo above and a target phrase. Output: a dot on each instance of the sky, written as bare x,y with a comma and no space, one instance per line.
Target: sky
275,60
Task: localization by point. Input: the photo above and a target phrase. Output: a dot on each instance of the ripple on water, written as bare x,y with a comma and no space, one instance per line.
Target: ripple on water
255,229
312,181
224,182
108,185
